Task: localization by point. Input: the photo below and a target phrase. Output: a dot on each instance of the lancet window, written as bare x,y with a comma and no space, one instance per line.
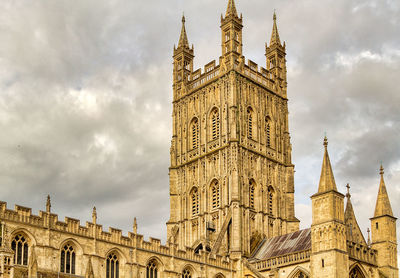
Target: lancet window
195,130
215,198
151,270
215,124
356,273
112,266
270,202
21,249
250,122
67,264
268,131
195,202
252,194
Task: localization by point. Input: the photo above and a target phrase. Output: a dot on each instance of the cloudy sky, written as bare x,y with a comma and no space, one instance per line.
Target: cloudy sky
85,99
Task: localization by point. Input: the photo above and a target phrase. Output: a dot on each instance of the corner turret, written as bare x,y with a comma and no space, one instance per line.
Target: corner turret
383,229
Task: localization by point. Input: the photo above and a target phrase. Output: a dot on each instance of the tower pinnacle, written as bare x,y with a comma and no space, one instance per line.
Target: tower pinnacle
383,206
275,34
327,180
231,10
183,40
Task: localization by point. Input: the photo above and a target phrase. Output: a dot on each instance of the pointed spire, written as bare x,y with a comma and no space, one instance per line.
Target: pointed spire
327,180
354,232
48,204
275,34
183,40
383,206
231,10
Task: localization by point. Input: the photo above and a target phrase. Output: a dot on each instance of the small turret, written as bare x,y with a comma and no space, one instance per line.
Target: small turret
183,62
276,58
48,204
328,258
383,230
231,32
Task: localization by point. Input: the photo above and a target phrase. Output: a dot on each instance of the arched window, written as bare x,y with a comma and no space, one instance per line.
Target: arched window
194,128
252,190
112,266
67,264
268,131
356,273
215,124
270,202
250,122
21,250
301,275
215,195
186,274
195,202
151,270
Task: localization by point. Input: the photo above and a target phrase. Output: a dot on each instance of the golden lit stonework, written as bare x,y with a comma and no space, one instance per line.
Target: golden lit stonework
231,192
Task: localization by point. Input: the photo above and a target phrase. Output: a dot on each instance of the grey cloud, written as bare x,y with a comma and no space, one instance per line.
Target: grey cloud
82,82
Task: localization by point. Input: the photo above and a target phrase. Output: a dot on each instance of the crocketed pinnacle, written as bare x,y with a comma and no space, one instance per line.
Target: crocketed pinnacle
275,34
383,206
183,40
231,10
327,180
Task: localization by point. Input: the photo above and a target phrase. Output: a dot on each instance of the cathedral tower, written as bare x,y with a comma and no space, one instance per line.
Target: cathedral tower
383,227
329,256
231,175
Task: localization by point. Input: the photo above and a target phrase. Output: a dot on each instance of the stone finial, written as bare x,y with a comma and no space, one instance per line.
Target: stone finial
135,226
348,195
94,216
369,238
48,204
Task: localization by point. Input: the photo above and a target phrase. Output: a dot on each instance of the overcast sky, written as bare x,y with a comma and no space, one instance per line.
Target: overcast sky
85,99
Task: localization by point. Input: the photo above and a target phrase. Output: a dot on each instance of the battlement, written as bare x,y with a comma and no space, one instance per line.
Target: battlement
24,217
251,70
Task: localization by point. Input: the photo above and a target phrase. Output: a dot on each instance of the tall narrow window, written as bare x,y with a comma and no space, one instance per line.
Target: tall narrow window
215,124
186,274
250,122
215,195
195,202
268,131
195,133
251,194
151,270
112,266
270,201
67,264
20,247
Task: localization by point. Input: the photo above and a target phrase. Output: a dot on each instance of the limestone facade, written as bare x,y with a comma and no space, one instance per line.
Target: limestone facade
231,192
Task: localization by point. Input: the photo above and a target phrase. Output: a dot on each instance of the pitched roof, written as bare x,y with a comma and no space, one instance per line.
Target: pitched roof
282,245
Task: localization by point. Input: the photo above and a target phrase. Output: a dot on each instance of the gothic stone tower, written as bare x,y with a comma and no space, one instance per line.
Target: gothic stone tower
231,174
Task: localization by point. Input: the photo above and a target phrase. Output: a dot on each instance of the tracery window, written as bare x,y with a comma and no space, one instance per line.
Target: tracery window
112,266
215,195
356,273
301,275
186,274
215,124
67,264
195,133
270,200
20,247
250,122
151,270
251,194
195,202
